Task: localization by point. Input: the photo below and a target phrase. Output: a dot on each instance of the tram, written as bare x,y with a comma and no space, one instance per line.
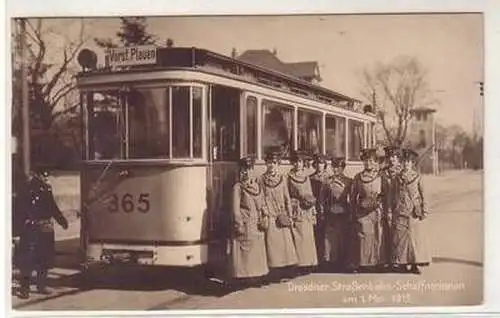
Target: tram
163,130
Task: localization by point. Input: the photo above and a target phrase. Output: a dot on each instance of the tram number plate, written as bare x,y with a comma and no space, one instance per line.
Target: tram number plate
128,203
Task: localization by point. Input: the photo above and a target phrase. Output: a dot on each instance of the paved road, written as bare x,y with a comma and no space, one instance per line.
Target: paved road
455,277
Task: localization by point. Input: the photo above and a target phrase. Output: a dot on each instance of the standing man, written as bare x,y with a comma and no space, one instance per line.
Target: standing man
37,209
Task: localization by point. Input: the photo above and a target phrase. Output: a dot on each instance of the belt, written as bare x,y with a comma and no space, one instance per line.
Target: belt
39,222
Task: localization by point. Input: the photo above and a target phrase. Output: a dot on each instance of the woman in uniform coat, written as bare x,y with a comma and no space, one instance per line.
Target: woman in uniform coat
281,254
409,242
303,212
390,177
366,208
335,198
248,249
318,181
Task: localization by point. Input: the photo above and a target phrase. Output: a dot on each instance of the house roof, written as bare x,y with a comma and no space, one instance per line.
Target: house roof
267,59
264,58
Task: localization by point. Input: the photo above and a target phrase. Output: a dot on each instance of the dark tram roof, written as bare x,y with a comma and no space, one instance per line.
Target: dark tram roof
200,58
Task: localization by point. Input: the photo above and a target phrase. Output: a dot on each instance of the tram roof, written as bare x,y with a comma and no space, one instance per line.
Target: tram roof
195,57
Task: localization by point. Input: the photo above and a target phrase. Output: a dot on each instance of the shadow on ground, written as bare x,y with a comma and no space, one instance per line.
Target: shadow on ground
191,281
456,261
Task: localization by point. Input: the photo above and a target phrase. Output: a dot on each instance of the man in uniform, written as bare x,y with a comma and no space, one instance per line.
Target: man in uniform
37,209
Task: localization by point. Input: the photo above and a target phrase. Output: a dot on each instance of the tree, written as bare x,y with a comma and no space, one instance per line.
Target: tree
394,89
51,85
132,32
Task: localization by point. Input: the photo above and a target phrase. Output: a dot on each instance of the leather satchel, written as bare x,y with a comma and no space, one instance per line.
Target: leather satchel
263,224
307,202
284,220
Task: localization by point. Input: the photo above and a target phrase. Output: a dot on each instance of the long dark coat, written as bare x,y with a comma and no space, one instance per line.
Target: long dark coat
335,200
36,210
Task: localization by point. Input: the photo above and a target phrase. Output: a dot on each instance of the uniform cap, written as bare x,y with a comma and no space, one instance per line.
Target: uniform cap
393,151
319,158
273,153
368,153
410,154
338,162
298,155
246,162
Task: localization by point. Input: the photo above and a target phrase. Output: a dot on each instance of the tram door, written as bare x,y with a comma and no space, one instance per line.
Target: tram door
224,152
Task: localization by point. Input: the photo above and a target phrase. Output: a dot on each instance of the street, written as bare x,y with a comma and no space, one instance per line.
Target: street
454,278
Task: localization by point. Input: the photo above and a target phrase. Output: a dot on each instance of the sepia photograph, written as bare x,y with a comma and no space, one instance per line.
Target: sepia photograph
247,161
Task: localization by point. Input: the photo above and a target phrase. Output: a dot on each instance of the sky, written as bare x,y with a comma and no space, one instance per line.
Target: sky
449,46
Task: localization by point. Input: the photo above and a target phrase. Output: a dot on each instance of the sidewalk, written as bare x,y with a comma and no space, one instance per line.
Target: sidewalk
454,278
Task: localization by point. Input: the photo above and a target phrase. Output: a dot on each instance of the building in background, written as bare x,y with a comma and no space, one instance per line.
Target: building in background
421,137
307,71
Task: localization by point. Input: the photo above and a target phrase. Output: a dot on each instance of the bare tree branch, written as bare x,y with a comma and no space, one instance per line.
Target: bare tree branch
402,86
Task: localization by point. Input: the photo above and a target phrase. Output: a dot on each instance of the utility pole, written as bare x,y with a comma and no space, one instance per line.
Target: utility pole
25,99
435,152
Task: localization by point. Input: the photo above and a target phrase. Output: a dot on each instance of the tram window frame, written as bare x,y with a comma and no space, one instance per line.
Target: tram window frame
196,138
265,104
319,125
155,144
90,125
181,147
251,125
338,149
192,153
352,124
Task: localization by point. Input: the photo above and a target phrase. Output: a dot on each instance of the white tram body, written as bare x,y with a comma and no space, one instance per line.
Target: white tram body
161,143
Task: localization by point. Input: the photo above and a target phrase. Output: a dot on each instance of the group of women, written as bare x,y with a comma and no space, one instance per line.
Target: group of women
291,224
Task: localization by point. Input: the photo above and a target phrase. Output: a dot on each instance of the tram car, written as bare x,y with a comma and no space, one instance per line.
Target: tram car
163,130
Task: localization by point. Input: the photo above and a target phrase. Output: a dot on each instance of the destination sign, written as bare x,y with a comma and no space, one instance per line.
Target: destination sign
133,55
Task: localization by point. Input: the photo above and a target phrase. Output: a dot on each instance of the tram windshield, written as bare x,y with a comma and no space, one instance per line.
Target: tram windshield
138,124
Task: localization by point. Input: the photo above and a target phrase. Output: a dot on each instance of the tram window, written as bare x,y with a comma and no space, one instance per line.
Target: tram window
335,136
148,123
197,121
251,110
356,139
180,121
309,131
225,125
105,122
278,127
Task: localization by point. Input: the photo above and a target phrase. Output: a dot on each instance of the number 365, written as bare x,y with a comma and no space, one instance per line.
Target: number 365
128,204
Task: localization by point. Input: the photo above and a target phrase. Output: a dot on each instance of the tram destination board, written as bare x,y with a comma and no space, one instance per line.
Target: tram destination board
133,55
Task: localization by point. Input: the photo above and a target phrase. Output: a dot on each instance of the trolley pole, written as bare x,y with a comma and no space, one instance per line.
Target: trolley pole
25,100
